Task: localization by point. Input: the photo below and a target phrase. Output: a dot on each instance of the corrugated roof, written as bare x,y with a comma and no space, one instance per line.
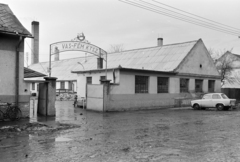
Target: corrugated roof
161,58
9,22
29,73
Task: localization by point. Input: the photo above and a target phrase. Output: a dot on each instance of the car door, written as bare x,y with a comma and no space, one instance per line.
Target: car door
216,98
206,100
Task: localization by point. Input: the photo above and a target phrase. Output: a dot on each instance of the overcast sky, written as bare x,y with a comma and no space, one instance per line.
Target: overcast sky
107,22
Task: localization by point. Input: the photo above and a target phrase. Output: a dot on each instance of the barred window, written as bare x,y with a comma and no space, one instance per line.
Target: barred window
102,78
184,85
141,84
89,80
198,85
211,85
162,85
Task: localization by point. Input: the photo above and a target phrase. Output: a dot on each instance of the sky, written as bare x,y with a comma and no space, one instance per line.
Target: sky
111,22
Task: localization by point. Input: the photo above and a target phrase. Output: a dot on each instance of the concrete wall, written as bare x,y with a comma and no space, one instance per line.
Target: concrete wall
7,70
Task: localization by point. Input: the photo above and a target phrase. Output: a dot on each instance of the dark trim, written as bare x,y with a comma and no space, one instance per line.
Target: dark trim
199,76
16,34
128,70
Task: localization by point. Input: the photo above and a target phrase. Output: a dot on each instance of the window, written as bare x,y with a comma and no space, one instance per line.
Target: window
102,78
211,85
207,96
216,96
162,85
62,85
198,85
141,84
38,87
33,86
224,96
89,80
70,85
184,85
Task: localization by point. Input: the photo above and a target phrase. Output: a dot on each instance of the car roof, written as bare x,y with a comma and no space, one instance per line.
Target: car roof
212,93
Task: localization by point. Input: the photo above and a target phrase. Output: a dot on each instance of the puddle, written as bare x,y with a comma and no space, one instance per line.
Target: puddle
62,139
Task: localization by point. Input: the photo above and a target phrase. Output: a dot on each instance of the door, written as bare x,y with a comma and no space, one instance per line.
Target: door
95,97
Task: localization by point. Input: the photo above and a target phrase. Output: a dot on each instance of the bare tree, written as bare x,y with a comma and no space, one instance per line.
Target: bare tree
116,48
225,65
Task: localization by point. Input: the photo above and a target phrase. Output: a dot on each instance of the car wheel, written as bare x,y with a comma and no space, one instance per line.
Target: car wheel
196,107
220,107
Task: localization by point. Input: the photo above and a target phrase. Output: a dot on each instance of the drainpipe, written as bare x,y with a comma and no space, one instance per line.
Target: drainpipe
17,71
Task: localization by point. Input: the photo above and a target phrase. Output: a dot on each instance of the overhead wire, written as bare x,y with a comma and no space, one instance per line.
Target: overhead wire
193,19
177,17
196,15
182,17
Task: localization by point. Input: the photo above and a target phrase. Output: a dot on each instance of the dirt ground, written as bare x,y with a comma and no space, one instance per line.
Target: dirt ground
165,135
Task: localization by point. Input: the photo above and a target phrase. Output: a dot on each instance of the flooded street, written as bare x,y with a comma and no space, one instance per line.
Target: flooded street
156,135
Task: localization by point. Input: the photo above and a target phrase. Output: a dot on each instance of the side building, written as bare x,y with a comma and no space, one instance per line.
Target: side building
152,78
13,88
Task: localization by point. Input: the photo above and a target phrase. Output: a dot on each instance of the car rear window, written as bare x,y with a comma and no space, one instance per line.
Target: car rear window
224,96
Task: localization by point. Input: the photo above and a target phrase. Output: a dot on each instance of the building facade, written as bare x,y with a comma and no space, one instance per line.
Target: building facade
152,78
13,89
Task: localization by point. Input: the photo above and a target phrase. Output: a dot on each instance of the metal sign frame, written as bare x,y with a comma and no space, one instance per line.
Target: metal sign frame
65,46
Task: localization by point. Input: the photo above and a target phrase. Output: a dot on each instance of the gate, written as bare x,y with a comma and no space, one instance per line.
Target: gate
95,97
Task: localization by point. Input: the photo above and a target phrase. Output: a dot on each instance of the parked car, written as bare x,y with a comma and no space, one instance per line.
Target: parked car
214,100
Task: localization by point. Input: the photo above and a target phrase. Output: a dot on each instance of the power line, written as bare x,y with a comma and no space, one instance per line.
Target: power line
196,22
180,18
196,15
197,19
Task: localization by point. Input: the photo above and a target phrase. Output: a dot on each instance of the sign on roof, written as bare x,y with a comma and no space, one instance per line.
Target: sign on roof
76,46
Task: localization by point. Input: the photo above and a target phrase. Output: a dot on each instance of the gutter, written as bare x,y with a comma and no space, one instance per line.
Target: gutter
21,39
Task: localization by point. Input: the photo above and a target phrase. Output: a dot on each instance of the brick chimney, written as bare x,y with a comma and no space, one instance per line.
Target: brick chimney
35,43
160,41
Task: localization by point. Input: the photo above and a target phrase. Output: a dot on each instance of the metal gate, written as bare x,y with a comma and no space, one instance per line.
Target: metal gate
95,97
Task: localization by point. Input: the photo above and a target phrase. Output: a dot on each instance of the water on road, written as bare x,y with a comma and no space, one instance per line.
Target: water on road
155,135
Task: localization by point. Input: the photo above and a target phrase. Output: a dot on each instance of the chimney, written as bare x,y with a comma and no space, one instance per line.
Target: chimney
99,63
56,55
35,42
160,41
